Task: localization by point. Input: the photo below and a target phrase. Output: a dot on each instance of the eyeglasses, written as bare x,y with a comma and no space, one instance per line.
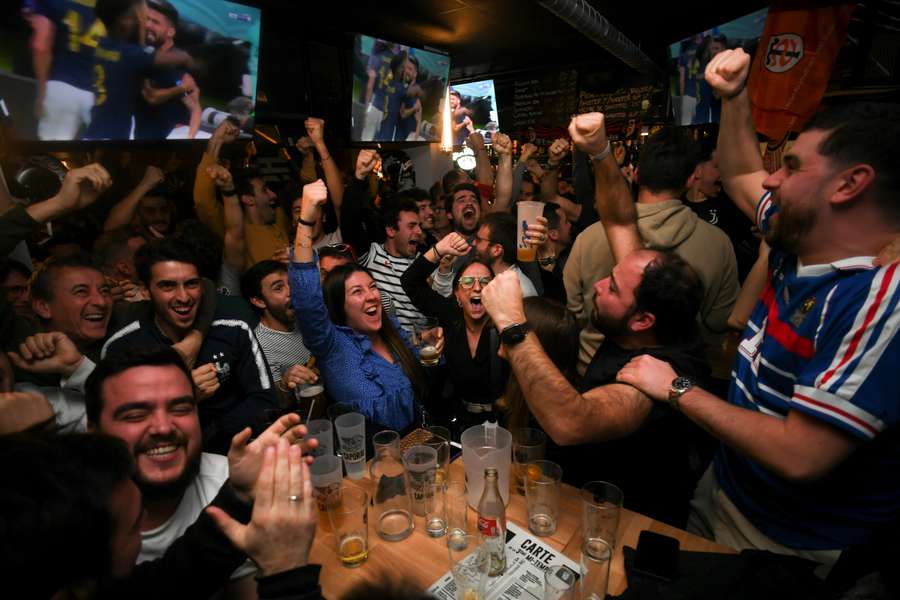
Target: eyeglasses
467,282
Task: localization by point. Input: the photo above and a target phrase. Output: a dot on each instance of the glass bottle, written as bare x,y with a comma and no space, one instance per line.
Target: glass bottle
391,504
492,522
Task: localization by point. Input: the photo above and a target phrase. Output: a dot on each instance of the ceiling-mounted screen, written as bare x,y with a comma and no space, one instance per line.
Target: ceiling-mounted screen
474,107
108,70
397,91
693,101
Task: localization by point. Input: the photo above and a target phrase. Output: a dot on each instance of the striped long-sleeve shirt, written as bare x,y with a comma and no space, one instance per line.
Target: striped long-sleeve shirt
387,270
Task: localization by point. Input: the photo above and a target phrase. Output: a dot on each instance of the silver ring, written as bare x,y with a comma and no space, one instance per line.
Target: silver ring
294,498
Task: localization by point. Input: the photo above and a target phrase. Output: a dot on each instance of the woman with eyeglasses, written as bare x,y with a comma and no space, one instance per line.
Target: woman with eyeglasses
365,358
476,373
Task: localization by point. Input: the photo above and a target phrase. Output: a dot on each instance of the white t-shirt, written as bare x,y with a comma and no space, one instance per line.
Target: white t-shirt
213,473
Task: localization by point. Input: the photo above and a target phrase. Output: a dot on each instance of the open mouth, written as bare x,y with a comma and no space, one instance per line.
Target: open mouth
475,301
468,212
371,311
184,312
95,317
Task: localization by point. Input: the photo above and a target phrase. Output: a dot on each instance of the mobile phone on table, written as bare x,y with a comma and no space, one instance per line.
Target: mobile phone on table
656,556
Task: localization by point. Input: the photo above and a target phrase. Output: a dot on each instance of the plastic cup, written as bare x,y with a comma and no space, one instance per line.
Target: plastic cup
425,337
421,465
351,432
527,213
321,430
325,475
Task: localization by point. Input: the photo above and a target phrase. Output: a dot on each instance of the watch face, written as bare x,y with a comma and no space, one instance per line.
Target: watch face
682,384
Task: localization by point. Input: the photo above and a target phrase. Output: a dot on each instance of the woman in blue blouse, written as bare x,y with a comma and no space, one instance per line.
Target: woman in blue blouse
365,358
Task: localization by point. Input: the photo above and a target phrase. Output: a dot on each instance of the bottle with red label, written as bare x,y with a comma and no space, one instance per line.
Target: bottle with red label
492,522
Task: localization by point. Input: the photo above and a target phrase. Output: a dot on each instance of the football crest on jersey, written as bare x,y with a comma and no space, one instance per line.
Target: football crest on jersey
805,308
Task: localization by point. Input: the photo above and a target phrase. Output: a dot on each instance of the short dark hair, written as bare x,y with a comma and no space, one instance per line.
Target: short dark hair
243,180
115,363
168,249
11,265
502,227
853,129
671,291
110,246
206,246
41,285
667,160
553,219
110,11
471,187
391,214
167,10
55,508
336,251
251,280
450,179
455,93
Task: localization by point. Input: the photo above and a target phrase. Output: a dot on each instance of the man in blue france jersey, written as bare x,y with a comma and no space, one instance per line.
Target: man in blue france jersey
64,35
393,93
120,64
809,457
170,100
379,75
410,121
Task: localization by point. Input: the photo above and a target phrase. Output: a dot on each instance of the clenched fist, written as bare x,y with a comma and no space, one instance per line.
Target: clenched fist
727,72
588,132
365,163
558,150
502,144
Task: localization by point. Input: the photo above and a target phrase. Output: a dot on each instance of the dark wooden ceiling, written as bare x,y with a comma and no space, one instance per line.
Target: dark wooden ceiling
496,36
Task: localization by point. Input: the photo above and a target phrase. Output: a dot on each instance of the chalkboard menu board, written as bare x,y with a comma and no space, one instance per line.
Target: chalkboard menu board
549,99
643,103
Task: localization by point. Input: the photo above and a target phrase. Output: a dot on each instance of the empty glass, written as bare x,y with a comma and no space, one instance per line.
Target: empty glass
596,556
391,504
469,562
350,525
457,509
601,503
435,510
542,484
440,441
560,583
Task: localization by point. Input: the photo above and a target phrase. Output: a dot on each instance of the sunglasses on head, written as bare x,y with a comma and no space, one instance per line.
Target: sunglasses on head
339,248
468,281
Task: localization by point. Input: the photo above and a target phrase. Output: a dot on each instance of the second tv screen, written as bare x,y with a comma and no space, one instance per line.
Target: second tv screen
397,91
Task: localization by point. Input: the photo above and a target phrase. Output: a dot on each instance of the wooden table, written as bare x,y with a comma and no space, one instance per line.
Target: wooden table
419,560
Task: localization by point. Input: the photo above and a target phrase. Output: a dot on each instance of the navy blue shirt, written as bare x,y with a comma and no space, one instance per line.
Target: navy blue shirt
119,69
77,33
157,122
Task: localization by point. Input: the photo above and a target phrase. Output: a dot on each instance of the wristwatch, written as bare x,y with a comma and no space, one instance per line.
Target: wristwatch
680,385
514,334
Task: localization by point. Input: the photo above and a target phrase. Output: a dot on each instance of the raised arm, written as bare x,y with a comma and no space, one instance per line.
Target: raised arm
738,155
356,219
315,128
235,244
614,203
556,153
205,204
415,279
122,213
569,417
504,182
483,172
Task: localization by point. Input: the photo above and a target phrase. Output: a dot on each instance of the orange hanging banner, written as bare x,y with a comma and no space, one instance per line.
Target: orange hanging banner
793,64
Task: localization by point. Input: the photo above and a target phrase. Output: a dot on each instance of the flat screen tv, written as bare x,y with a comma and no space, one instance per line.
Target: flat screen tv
475,110
171,70
397,91
692,99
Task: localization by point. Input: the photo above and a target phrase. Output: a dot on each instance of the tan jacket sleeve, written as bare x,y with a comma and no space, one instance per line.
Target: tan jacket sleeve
208,209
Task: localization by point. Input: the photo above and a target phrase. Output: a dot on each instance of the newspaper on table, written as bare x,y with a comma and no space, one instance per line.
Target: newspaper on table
527,558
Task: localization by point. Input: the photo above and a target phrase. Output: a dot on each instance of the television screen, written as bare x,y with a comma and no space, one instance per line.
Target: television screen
475,108
692,99
173,69
397,91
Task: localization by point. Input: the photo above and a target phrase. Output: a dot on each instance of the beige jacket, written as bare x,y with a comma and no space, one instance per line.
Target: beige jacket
668,225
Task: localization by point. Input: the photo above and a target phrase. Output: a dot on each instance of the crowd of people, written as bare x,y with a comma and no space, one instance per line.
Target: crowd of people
148,438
